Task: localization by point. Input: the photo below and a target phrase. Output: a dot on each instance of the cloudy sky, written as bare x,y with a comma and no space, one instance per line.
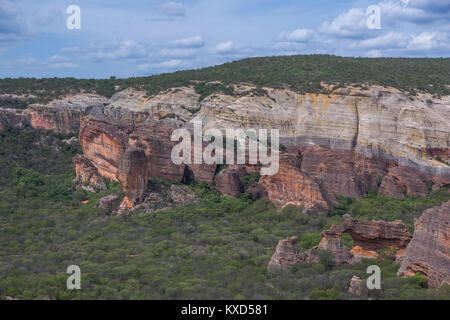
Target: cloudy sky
142,37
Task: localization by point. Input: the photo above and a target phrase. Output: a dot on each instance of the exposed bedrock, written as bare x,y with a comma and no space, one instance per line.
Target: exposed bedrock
291,186
104,144
347,142
369,238
63,115
87,173
288,254
428,252
133,175
13,118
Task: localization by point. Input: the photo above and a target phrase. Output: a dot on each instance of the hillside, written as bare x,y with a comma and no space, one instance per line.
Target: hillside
364,150
301,73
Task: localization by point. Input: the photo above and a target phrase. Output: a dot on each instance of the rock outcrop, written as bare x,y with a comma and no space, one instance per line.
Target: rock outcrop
369,237
349,141
63,115
228,181
133,175
104,144
288,253
291,186
355,285
108,200
13,118
428,252
401,181
87,173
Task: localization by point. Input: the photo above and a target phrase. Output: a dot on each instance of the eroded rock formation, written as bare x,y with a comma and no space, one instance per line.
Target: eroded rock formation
64,115
288,253
429,251
291,186
355,285
87,173
369,238
228,181
133,175
348,142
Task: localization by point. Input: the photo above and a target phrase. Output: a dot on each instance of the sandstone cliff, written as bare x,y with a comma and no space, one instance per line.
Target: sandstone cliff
429,251
63,115
347,142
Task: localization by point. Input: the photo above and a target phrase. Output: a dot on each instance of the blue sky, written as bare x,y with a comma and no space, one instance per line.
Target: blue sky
137,38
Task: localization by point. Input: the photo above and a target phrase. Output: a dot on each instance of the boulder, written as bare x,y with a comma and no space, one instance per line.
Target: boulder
288,253
355,285
228,181
108,200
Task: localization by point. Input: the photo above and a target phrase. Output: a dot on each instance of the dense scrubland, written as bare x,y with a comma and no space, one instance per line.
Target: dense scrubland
217,248
302,73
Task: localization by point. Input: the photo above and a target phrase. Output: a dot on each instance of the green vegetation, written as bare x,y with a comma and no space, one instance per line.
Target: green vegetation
438,158
302,73
217,248
250,179
379,207
14,103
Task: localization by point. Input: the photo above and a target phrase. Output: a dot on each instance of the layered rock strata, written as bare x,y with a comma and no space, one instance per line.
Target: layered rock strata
428,253
348,141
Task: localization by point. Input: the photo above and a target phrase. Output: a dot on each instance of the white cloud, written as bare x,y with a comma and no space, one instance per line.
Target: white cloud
225,48
192,42
395,11
298,35
351,24
12,26
120,49
164,65
390,40
428,41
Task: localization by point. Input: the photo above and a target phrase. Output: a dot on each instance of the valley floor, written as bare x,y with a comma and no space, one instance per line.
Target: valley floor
217,248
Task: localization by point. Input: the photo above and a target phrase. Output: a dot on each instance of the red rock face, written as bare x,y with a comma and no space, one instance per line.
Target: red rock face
429,251
444,153
154,138
311,177
104,145
369,238
42,121
401,181
133,175
290,186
